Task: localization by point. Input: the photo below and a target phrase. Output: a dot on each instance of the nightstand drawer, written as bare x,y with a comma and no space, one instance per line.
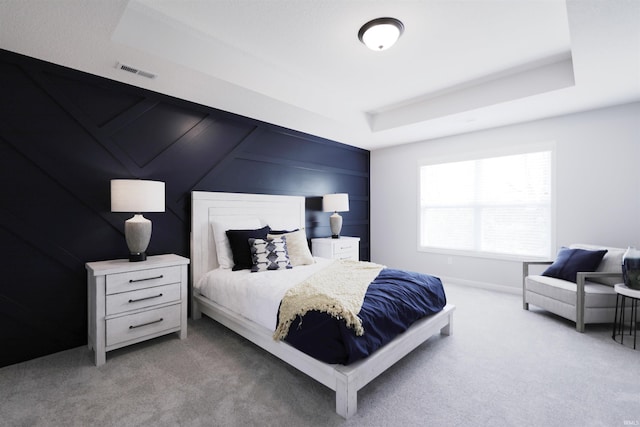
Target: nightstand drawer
351,253
132,280
345,247
126,301
126,328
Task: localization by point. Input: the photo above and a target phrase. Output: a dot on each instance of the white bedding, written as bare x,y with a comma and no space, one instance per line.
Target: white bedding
255,296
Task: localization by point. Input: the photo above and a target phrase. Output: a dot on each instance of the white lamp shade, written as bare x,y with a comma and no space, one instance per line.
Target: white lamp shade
137,195
338,202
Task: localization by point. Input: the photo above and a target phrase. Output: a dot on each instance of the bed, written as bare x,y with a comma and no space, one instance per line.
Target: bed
287,212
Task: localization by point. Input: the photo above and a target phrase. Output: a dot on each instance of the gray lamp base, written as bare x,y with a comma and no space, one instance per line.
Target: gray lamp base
137,232
335,221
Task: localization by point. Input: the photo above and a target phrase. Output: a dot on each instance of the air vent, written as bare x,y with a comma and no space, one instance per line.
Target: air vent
134,70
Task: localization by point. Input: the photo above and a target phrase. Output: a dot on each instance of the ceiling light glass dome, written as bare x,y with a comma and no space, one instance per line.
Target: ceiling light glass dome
381,33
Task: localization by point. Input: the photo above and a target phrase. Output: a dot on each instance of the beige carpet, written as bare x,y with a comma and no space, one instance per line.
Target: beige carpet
503,366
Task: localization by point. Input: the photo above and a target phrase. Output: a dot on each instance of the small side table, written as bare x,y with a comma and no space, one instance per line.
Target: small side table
130,302
342,248
623,293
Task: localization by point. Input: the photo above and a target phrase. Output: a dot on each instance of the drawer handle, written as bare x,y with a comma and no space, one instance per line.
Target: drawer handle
148,278
145,298
146,324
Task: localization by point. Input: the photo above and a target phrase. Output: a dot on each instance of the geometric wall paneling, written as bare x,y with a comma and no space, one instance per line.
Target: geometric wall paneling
27,327
311,149
65,134
214,178
265,175
34,302
50,137
52,218
151,133
200,151
93,97
38,271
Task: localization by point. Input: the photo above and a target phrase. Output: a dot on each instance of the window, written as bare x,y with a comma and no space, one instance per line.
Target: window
494,205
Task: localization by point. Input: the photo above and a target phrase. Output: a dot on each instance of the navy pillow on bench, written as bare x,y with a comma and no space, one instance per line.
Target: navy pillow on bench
570,261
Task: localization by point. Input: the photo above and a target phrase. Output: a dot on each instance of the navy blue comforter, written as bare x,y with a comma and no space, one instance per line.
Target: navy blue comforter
392,303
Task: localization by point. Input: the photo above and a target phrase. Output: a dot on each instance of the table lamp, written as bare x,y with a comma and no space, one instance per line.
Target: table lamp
338,202
137,196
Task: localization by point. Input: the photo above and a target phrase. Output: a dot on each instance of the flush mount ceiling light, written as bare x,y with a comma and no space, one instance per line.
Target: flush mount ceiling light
381,33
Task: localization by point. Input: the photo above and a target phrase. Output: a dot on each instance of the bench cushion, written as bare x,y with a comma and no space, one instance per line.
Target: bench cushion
596,294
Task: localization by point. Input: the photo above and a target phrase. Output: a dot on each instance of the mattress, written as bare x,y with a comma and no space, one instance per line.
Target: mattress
256,296
392,303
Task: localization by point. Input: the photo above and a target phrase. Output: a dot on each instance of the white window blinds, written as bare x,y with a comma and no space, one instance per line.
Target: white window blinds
498,205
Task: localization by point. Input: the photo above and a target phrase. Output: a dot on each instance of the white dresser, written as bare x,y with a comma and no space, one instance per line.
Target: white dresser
131,302
343,248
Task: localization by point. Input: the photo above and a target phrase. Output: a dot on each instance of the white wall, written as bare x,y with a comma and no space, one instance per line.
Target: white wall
597,190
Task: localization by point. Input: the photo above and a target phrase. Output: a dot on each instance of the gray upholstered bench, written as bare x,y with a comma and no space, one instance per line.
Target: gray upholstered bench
590,299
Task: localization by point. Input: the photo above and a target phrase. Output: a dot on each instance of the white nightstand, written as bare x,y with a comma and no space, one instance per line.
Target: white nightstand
342,248
131,302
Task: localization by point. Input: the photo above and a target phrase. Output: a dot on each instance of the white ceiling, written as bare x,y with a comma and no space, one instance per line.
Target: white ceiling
461,65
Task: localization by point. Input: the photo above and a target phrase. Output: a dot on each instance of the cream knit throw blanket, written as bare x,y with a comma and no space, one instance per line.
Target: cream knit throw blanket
337,290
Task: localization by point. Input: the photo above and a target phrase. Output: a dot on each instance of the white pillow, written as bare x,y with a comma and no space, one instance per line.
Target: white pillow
223,248
297,247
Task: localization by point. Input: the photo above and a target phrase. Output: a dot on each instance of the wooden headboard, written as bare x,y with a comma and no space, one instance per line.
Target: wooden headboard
279,212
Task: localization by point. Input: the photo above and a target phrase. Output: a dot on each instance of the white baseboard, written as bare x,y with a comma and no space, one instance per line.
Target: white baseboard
482,285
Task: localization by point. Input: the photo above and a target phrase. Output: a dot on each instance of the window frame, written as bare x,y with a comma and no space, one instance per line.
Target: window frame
549,146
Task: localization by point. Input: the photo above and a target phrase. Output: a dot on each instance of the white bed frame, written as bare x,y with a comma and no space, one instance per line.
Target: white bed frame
286,212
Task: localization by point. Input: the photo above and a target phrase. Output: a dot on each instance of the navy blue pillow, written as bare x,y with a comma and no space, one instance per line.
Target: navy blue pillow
570,261
278,232
239,242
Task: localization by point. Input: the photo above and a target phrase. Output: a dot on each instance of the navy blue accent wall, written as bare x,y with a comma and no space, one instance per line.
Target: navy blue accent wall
65,134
